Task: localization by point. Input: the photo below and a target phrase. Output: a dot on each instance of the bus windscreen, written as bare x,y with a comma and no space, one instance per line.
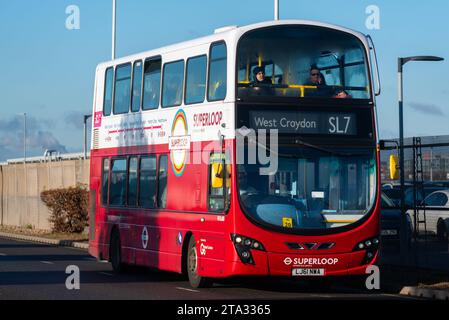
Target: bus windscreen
312,189
302,62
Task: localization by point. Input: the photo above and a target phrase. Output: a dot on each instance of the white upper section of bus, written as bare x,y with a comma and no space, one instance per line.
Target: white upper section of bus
158,126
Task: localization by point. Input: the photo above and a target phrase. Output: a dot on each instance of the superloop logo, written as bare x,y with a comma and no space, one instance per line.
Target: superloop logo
179,143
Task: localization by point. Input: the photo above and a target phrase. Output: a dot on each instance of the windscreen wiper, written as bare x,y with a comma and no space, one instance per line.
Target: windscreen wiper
322,149
310,145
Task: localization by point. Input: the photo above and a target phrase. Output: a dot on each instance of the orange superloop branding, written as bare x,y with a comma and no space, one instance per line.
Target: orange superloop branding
179,143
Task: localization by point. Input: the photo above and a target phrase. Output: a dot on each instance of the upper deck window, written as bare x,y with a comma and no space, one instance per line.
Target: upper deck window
122,95
108,91
196,80
137,87
173,84
152,84
217,72
302,62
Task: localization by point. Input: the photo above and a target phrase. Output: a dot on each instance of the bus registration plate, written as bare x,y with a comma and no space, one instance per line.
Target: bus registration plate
301,272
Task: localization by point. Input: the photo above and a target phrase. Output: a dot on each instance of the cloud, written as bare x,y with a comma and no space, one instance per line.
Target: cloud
75,119
46,140
429,109
39,138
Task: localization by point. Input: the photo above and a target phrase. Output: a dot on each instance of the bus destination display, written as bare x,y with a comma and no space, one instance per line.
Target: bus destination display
305,122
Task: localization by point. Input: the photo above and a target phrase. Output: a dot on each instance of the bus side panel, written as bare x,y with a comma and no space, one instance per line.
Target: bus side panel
187,212
95,213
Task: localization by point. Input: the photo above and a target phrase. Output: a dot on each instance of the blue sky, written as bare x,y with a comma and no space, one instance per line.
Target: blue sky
47,71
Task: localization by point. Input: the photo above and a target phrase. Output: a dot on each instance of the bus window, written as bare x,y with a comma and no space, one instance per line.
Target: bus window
137,87
105,182
273,73
303,62
147,186
122,89
117,189
132,182
173,84
217,72
162,194
108,89
219,182
196,80
151,84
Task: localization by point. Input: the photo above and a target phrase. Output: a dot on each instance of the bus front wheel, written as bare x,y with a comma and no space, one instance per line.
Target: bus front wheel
196,281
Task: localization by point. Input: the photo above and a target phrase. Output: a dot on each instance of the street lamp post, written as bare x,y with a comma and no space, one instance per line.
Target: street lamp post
276,10
86,117
401,63
24,136
114,15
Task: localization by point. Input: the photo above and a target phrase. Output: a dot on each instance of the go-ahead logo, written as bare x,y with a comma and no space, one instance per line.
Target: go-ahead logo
310,261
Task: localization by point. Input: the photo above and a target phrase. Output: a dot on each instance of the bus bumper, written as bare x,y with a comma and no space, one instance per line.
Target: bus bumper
288,265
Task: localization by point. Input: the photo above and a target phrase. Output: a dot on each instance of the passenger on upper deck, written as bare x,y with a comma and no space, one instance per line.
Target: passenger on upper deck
259,76
260,84
317,80
316,77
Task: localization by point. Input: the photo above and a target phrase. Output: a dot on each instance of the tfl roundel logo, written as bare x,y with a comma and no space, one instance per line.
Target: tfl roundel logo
288,261
179,143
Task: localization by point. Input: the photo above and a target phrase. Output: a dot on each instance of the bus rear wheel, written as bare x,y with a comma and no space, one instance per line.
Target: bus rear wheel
115,253
196,281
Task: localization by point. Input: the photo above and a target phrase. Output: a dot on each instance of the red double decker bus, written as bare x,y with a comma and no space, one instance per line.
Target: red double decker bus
253,151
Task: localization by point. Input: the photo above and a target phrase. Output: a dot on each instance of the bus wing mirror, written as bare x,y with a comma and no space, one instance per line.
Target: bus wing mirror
217,175
394,172
373,48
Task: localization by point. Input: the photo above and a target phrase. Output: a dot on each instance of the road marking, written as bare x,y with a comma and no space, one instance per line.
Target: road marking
185,289
90,259
107,274
325,296
399,296
47,262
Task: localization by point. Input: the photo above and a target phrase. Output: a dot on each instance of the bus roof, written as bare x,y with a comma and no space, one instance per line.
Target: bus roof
228,33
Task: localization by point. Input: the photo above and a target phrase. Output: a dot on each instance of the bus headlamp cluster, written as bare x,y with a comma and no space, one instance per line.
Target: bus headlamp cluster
243,245
371,246
368,244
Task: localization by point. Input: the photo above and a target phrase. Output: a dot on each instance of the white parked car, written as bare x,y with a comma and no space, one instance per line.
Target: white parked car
437,213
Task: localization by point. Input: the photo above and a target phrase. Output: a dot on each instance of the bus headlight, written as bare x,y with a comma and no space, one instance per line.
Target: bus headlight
368,244
243,245
371,246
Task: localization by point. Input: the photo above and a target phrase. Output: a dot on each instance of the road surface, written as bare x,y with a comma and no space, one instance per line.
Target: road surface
37,271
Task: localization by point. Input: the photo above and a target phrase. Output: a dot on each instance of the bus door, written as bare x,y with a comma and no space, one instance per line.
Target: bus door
116,212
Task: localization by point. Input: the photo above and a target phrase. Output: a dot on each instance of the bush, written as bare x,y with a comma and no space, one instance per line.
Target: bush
68,208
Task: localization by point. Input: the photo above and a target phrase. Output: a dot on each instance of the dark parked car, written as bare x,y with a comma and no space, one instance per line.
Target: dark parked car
394,193
390,217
